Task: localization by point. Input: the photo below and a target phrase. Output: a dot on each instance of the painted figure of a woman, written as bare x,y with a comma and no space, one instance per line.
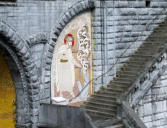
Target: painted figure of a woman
65,63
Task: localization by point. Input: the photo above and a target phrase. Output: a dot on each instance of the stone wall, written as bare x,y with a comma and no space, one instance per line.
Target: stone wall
153,107
61,116
116,26
119,25
29,17
123,24
34,20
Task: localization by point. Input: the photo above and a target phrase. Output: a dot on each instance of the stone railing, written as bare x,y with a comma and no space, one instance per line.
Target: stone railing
59,116
129,117
139,88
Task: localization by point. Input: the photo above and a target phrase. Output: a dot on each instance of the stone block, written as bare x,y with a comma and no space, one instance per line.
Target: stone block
97,62
97,55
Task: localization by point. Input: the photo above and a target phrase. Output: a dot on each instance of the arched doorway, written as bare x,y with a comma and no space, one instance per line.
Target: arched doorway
7,96
19,109
16,53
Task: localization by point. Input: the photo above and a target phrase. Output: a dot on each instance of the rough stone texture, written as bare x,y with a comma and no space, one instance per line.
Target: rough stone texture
16,69
29,73
62,116
132,81
153,107
127,23
119,24
116,26
130,118
146,80
37,45
150,104
33,16
29,18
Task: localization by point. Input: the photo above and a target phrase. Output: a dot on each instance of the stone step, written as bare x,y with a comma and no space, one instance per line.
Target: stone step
126,75
141,52
159,30
139,58
104,96
136,65
97,108
160,40
136,62
148,54
112,101
158,37
148,48
147,51
143,55
121,82
109,92
128,68
162,24
97,117
123,79
133,70
115,88
155,45
116,126
105,114
101,91
98,103
108,122
133,66
129,73
150,44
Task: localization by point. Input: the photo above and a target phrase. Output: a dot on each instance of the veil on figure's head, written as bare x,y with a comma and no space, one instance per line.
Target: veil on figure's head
69,35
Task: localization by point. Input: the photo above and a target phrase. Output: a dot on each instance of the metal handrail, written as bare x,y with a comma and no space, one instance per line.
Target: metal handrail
117,60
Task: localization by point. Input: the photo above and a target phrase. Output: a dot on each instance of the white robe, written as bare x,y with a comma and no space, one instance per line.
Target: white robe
65,73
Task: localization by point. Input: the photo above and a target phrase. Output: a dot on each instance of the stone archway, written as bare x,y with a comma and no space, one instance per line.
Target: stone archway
72,12
16,52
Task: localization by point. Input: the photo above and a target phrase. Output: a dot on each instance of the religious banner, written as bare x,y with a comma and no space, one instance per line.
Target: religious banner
72,63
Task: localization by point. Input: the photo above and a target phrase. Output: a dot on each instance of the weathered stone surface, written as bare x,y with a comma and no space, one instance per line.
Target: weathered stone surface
152,108
117,25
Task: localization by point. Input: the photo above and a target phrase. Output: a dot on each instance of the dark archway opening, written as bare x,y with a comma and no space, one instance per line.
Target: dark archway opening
22,111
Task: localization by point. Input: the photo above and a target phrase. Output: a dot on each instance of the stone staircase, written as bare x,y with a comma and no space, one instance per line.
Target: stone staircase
102,106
